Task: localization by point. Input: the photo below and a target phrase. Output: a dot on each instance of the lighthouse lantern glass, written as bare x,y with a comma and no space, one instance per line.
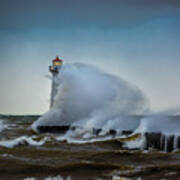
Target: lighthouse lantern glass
57,63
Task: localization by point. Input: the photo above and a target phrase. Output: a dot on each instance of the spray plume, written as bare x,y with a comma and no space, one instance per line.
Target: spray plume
90,98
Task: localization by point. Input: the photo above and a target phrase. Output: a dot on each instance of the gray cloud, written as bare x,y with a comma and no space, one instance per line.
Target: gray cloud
22,14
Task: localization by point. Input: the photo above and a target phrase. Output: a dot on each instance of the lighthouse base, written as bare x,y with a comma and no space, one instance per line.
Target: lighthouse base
64,129
53,129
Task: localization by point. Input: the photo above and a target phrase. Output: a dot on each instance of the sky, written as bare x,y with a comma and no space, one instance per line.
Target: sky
137,40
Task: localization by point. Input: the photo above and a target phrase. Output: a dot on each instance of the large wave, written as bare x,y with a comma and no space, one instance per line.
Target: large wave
91,98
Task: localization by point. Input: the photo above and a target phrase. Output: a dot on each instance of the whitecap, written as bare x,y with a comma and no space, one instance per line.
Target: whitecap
23,140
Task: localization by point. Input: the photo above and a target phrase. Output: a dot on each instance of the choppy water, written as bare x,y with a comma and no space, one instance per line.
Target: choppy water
25,154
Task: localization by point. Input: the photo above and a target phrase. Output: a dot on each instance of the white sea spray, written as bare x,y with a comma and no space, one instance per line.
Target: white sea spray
49,178
23,140
2,125
88,97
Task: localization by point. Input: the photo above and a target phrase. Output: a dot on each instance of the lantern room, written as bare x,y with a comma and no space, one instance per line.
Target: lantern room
57,61
56,65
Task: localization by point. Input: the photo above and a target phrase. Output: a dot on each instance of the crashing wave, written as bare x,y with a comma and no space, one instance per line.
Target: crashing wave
23,140
90,98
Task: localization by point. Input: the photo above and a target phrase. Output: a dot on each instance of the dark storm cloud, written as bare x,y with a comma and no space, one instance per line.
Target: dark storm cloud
24,14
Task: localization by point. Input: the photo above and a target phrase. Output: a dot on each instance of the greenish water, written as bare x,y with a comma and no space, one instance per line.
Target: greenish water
24,153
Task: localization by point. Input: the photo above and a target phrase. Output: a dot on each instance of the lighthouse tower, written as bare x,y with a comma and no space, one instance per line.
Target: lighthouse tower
54,69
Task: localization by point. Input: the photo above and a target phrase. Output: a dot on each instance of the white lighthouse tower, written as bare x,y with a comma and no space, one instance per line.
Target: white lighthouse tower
54,69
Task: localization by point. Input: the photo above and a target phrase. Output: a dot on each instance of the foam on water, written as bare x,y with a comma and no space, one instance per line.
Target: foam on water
74,137
49,178
23,140
57,178
139,143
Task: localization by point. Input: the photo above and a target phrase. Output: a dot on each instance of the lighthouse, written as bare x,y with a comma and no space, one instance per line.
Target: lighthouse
54,70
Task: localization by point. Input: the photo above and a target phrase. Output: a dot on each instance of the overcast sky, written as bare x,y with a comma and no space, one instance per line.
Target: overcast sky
138,40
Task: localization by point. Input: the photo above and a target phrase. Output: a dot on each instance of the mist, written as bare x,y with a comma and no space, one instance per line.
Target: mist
90,98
